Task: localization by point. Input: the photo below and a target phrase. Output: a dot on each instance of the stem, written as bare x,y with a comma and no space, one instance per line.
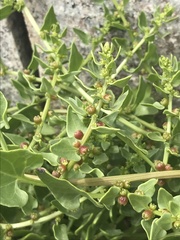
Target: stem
167,145
34,24
132,52
3,142
30,222
146,124
132,126
44,114
32,179
113,180
83,93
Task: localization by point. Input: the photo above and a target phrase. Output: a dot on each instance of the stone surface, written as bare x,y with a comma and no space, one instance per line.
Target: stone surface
86,15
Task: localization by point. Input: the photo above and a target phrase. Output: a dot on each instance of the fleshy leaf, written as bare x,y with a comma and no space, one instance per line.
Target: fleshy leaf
64,192
109,197
164,198
51,158
64,148
13,166
6,11
74,123
139,202
85,38
3,110
60,231
142,23
49,19
148,187
121,82
165,221
85,168
76,59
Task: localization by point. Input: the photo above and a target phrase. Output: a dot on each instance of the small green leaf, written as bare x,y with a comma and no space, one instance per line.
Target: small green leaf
174,207
49,19
14,163
46,87
64,148
156,136
109,197
22,118
69,77
121,82
85,38
142,23
163,198
93,70
60,231
64,192
3,110
156,231
48,130
121,100
74,123
6,11
99,159
76,59
85,168
32,236
165,221
148,187
105,130
176,79
33,65
139,202
14,138
50,158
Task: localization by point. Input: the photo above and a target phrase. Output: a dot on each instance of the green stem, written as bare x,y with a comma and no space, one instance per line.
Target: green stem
32,179
3,142
146,124
44,114
169,124
30,222
82,92
34,24
116,4
132,52
132,126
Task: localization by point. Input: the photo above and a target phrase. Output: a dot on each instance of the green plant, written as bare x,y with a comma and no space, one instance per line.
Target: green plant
103,183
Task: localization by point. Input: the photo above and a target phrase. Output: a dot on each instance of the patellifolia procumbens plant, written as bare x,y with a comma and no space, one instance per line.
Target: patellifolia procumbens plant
92,150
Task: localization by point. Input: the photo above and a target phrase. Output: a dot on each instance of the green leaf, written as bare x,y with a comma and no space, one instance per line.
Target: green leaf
6,11
74,123
33,65
139,202
60,231
49,19
121,82
176,79
109,197
110,119
69,77
156,231
120,101
105,130
76,59
85,38
147,227
174,206
3,111
64,192
156,136
48,130
50,158
14,138
93,70
99,159
46,87
22,118
13,166
64,148
142,23
76,104
165,221
85,168
32,236
30,205
148,187
163,199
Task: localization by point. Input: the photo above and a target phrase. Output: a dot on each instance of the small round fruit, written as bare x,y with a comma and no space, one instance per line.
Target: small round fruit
91,109
24,145
159,165
147,214
78,134
83,150
37,119
77,144
122,200
168,167
56,174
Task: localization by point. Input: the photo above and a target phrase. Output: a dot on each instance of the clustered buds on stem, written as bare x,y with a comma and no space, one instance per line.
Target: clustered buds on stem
37,119
123,200
160,166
